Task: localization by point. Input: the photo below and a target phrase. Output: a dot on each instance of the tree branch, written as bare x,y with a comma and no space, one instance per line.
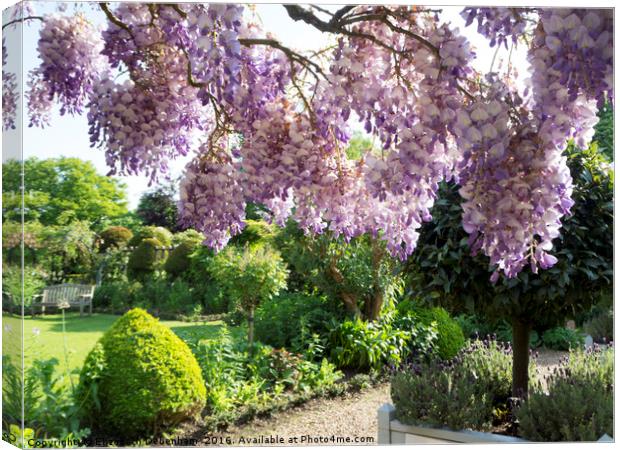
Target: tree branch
12,22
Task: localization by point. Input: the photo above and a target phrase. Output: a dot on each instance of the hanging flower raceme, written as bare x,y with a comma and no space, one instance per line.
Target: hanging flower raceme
9,93
69,48
498,24
211,198
139,132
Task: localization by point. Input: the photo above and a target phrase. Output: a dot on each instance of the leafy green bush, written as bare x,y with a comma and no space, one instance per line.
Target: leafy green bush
356,344
114,237
32,283
144,259
149,232
281,320
178,261
601,326
560,338
139,379
578,404
450,338
240,385
255,232
188,235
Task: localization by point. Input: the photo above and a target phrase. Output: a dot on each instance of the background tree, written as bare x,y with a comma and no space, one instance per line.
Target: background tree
158,208
444,271
59,190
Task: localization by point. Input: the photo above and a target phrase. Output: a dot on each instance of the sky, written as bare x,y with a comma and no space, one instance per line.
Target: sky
68,136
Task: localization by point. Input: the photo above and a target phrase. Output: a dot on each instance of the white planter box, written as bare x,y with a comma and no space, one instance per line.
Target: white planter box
391,431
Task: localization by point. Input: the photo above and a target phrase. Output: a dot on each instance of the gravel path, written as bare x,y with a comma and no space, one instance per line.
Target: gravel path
353,417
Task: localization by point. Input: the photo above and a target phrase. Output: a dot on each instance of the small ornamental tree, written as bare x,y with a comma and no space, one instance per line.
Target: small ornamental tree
444,271
250,276
114,237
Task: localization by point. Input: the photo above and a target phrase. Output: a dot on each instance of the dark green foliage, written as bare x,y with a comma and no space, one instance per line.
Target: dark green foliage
178,261
601,326
283,320
114,237
161,298
450,338
579,402
140,379
443,271
159,208
359,275
161,234
460,394
255,232
560,338
474,326
144,259
604,135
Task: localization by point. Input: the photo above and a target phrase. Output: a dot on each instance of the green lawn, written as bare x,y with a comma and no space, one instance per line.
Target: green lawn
43,337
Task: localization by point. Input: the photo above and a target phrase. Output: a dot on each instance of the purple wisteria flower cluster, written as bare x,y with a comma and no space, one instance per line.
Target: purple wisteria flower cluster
69,48
269,125
9,93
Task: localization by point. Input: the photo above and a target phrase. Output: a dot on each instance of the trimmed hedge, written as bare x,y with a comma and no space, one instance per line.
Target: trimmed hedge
139,379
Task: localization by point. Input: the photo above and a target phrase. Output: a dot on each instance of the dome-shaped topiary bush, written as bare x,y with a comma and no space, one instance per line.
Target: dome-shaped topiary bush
160,233
114,237
178,261
144,259
188,235
139,379
450,338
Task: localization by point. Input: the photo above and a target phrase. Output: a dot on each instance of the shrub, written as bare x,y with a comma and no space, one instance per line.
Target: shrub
255,232
450,338
160,233
601,326
562,339
281,320
188,235
32,281
140,378
356,344
432,394
465,392
114,237
178,261
238,384
145,259
578,405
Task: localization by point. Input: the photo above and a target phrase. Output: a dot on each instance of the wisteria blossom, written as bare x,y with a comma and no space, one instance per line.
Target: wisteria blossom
268,124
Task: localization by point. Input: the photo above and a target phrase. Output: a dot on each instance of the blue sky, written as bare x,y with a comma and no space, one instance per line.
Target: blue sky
68,136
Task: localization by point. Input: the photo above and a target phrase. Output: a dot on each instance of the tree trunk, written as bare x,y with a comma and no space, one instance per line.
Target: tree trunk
520,358
251,330
373,308
375,303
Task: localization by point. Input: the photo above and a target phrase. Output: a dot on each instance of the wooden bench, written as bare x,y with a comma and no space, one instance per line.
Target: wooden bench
75,294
